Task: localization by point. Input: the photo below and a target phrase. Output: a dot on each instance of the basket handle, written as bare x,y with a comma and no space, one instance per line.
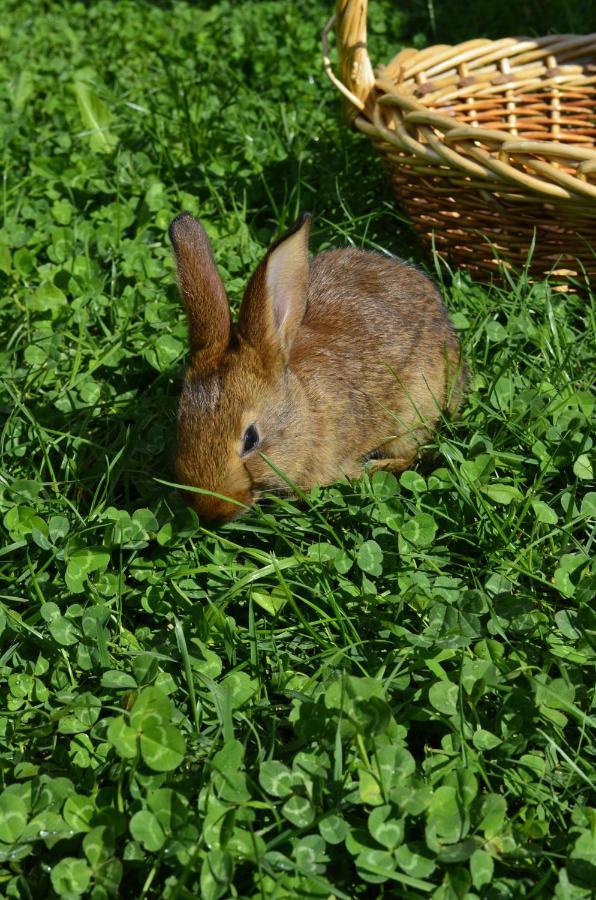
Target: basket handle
356,72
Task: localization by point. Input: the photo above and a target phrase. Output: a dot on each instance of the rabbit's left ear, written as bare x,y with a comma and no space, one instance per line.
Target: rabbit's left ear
201,287
275,300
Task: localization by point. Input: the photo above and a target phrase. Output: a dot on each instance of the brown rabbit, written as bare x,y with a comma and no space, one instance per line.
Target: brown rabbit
334,361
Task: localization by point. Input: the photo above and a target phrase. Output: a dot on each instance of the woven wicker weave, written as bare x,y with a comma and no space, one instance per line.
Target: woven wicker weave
489,144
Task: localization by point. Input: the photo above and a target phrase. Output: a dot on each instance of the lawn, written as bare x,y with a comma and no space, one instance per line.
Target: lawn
382,689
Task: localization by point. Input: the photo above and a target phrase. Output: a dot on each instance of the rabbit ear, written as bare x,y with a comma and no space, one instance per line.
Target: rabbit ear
275,299
201,287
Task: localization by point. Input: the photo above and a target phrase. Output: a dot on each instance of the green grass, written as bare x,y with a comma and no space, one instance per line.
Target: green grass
385,690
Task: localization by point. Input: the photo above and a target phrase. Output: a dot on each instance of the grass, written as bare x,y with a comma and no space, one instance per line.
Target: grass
383,690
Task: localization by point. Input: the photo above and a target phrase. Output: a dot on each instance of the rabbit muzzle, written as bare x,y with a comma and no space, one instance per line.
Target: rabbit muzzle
217,509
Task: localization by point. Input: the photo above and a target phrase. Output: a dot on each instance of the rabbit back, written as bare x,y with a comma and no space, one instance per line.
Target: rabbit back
377,357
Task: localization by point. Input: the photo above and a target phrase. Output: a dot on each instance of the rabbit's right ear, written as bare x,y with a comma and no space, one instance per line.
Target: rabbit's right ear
201,287
274,303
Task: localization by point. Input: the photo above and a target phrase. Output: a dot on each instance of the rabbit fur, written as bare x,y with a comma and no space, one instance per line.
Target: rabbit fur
334,361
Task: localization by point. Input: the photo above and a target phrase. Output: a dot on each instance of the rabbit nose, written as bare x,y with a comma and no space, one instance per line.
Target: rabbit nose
215,509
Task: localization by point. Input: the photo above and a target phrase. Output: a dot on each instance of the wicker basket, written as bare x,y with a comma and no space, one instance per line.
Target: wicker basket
490,145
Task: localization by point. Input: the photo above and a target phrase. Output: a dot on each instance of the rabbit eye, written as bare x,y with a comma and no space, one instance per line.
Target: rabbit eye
250,439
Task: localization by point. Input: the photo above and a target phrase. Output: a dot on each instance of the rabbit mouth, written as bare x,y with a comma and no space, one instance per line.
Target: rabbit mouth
258,488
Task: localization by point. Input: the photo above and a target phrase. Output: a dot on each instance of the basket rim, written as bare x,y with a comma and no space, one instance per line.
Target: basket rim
545,179
445,56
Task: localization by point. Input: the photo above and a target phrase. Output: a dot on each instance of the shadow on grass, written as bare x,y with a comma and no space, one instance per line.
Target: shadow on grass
456,22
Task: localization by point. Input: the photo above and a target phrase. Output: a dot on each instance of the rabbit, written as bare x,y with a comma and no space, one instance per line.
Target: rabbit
335,361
